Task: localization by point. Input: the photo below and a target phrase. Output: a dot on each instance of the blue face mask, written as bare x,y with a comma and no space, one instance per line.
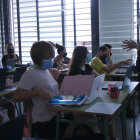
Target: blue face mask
47,64
89,58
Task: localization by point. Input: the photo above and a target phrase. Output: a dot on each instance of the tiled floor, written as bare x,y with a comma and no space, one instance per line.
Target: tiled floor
129,124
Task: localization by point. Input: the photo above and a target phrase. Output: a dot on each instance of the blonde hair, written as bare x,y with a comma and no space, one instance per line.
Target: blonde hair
41,50
7,52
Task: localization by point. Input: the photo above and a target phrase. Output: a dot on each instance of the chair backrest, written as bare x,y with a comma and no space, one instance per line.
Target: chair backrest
18,73
13,129
3,74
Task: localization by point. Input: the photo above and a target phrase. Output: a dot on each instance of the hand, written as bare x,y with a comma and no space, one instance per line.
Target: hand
60,67
129,45
55,73
108,51
127,61
44,94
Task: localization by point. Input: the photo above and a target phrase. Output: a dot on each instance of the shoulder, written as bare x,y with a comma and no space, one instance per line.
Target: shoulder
16,55
74,71
5,56
57,58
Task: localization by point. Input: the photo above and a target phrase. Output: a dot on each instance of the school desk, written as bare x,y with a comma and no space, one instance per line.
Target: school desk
105,98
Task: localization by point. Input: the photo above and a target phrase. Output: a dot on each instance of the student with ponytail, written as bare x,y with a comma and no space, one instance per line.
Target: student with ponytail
61,59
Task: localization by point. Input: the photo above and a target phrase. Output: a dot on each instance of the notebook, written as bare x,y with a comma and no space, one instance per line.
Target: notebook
123,84
67,100
82,85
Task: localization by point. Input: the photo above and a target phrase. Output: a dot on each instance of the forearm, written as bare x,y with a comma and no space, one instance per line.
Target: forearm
95,73
21,96
113,67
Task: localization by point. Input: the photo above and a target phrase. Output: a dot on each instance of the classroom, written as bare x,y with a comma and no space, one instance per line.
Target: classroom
69,69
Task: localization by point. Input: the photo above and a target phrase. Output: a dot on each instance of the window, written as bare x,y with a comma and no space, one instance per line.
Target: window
28,27
77,24
117,24
50,21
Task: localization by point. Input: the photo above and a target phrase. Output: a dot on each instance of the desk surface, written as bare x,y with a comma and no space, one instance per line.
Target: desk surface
120,75
5,92
104,97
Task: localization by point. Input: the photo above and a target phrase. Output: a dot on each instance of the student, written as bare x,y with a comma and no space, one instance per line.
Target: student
77,66
9,105
39,85
79,62
10,54
101,68
61,59
108,61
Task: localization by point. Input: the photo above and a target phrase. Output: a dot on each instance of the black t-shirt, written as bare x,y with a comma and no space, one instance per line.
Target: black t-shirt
4,59
78,70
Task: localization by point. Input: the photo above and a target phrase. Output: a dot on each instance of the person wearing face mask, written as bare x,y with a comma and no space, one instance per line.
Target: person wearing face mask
61,59
79,63
108,61
10,54
39,85
101,68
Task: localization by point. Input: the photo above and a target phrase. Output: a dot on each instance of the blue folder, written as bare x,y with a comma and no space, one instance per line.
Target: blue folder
67,100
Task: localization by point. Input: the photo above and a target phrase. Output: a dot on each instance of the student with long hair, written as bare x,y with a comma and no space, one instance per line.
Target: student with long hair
78,66
10,54
79,63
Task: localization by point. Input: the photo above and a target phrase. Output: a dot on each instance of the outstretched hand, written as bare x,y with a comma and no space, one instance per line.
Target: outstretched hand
129,45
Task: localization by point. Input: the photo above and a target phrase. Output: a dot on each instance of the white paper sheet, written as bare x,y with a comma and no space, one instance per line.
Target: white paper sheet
104,108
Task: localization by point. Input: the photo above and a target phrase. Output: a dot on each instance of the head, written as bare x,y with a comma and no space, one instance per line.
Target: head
61,50
10,49
109,47
79,57
42,53
102,52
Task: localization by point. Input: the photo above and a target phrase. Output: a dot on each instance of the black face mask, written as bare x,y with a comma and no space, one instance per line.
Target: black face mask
65,54
10,51
110,53
103,57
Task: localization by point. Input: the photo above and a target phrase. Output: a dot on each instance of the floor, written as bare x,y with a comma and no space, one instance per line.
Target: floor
129,124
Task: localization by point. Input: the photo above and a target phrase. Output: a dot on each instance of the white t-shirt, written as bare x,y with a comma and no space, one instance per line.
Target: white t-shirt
33,79
1,65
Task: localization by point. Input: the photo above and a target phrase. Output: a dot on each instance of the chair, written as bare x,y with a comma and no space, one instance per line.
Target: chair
12,129
3,74
18,73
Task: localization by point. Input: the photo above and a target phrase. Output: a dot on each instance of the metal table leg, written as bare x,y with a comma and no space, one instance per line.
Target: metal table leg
123,123
19,106
139,100
105,125
134,128
57,125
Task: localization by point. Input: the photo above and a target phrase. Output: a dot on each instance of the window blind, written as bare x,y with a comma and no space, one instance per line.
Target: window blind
28,27
117,24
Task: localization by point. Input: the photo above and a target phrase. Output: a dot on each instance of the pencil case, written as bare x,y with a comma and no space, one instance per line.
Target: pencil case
113,91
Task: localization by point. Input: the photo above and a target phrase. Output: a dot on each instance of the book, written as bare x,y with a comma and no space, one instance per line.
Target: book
67,100
11,88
